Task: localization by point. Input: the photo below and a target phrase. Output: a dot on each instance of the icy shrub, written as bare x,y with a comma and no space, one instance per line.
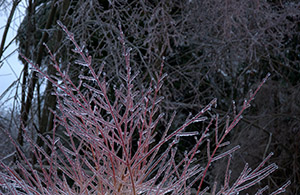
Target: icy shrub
112,144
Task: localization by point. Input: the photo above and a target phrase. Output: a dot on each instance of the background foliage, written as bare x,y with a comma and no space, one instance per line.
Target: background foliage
212,49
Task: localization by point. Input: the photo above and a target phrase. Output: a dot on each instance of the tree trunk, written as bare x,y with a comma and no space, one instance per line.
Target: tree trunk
34,78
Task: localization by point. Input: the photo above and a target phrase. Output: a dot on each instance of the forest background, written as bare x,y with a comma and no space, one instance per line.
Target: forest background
210,49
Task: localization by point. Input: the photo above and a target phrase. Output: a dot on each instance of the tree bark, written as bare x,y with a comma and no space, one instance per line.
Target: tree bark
46,122
34,78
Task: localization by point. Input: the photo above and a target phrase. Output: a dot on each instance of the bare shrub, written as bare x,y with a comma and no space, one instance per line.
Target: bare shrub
113,146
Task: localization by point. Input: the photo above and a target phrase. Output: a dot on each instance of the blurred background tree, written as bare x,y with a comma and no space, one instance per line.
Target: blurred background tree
212,49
